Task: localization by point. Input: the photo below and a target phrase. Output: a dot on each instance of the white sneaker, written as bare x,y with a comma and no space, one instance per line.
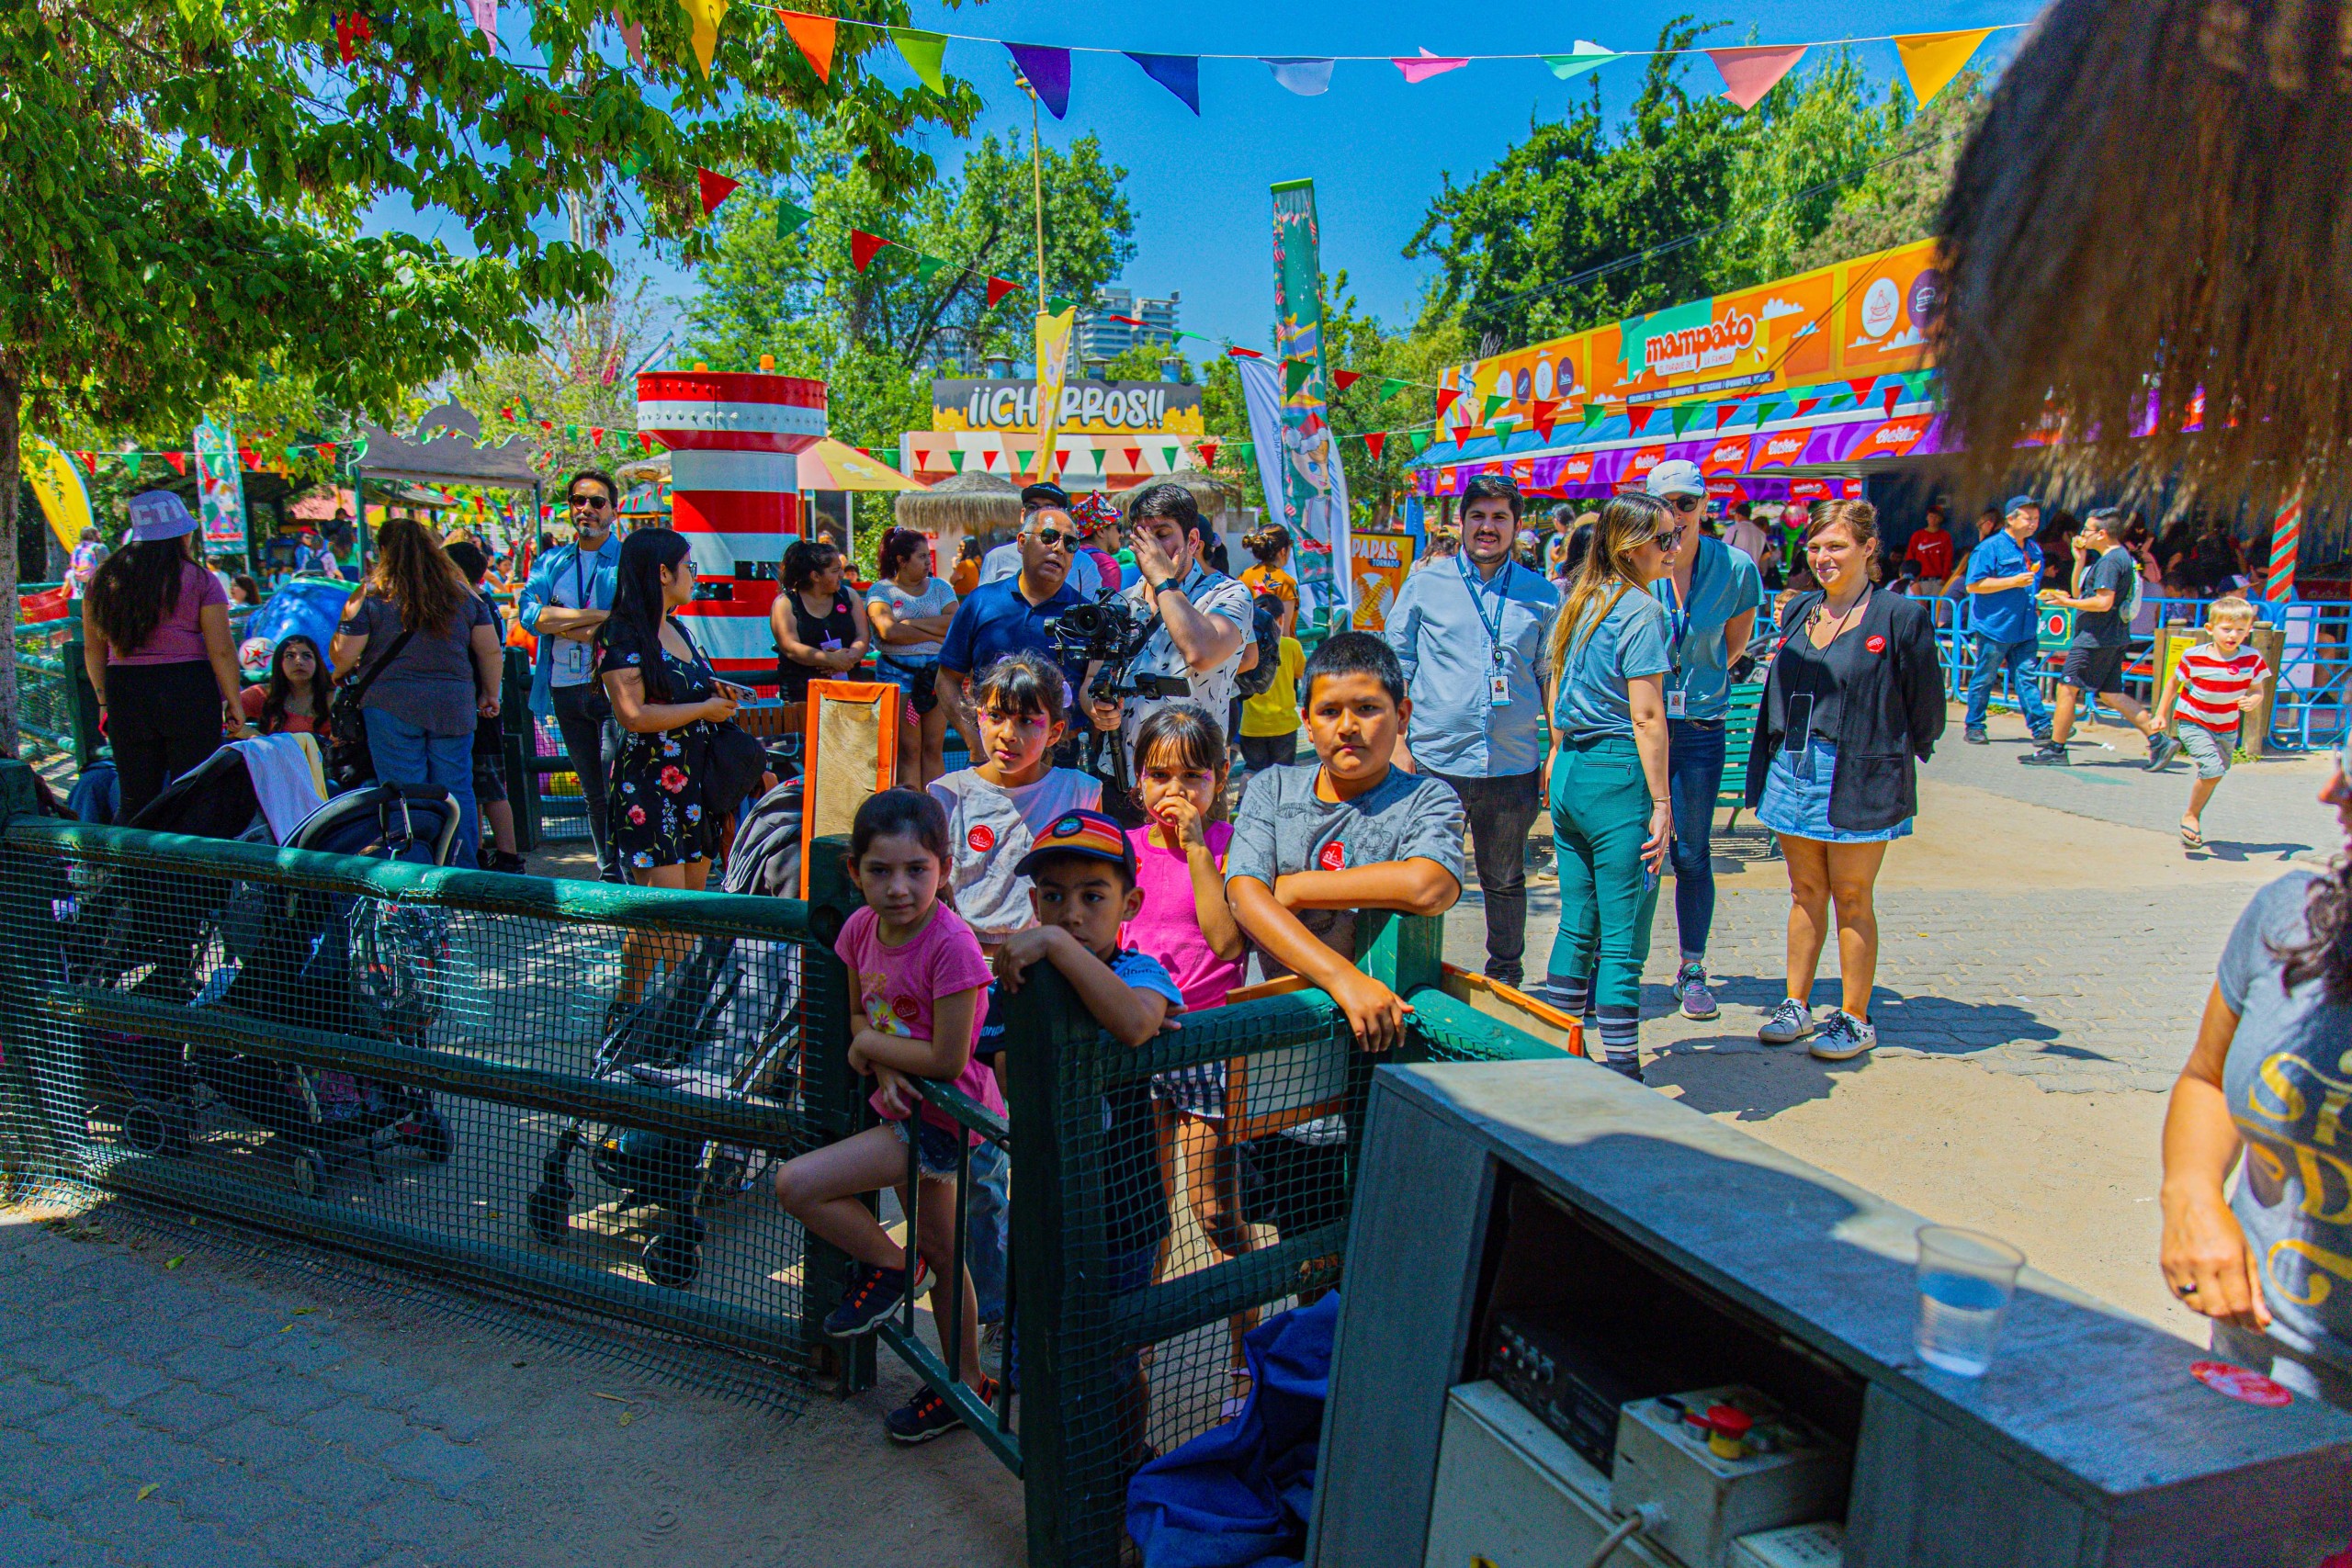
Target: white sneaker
1842,1037
1789,1023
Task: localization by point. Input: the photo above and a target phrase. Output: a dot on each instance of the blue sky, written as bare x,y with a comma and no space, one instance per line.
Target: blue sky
1374,146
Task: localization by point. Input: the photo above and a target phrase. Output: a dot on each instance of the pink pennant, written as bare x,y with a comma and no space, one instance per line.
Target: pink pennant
1422,67
486,19
1749,73
633,35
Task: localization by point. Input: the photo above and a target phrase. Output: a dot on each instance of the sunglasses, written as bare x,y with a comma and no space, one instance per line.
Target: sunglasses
1688,502
589,503
1669,539
1055,538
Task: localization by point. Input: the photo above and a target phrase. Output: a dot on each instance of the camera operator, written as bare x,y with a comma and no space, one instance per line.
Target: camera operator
1203,627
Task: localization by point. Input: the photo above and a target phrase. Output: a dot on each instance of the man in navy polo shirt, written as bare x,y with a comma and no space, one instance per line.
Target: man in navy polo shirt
997,618
2003,572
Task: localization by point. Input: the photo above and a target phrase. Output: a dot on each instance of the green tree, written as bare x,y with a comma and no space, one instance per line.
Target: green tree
1142,362
182,185
575,383
1895,200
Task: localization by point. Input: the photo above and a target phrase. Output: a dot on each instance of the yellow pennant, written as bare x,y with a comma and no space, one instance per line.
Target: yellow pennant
1932,60
704,14
57,484
1053,374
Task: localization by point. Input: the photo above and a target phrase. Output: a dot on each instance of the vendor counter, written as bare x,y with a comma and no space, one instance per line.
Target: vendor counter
1540,1250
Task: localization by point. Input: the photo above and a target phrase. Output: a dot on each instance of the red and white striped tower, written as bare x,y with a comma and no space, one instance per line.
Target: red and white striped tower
734,493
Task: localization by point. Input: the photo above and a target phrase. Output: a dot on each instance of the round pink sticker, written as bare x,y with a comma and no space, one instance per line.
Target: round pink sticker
2236,1383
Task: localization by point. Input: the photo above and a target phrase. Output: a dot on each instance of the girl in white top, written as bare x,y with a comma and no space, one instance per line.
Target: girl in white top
910,610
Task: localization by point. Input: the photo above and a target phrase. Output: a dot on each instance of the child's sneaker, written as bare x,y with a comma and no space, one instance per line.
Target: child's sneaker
1690,990
927,1416
1842,1037
874,1295
2162,749
1789,1023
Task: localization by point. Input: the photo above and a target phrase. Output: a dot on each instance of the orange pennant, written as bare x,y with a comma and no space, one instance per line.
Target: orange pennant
815,37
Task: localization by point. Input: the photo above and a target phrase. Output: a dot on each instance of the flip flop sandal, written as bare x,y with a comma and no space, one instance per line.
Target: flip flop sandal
2191,839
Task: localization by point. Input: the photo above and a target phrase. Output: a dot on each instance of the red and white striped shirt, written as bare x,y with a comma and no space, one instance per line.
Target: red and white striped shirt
2212,684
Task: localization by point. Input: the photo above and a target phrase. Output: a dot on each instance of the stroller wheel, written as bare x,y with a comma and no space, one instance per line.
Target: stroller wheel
307,1165
145,1130
433,1138
551,1212
674,1257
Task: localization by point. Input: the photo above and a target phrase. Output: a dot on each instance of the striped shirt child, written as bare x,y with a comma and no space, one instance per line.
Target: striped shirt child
2212,684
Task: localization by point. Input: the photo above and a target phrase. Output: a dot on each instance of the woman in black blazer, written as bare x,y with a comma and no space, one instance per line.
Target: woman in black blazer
1854,698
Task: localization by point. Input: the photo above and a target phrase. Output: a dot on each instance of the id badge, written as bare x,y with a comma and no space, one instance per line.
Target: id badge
1499,691
1678,703
571,662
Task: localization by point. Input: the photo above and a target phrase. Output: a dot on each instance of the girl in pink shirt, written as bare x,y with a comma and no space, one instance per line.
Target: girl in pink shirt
919,986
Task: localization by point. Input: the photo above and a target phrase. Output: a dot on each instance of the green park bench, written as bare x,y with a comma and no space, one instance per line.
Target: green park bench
1739,737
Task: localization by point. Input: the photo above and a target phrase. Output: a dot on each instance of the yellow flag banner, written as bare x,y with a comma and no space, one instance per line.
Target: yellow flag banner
1932,60
1053,374
58,485
704,14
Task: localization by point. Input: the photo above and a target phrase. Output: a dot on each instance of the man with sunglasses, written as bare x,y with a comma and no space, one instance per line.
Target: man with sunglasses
1009,615
1473,634
1004,562
1712,592
568,596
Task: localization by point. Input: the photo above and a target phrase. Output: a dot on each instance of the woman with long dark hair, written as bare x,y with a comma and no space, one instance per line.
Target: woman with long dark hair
819,626
910,611
666,698
1611,812
155,644
1272,545
295,699
437,642
2272,1264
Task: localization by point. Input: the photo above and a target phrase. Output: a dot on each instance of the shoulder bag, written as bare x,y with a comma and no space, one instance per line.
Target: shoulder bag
350,761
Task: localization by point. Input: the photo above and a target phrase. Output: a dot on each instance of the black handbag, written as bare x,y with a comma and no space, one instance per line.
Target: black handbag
350,761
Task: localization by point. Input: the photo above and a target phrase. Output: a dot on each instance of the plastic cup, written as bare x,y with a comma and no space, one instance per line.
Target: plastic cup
1966,1282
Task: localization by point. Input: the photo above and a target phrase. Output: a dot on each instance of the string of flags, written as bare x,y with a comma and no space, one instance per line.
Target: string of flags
1929,60
133,459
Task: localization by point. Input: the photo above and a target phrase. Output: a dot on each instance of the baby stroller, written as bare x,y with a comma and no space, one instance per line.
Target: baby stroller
719,1022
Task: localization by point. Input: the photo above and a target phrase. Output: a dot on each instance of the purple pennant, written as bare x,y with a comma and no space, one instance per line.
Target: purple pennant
1180,74
1047,71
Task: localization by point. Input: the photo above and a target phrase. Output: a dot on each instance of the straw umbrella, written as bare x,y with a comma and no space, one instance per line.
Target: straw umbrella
2153,224
960,507
1212,495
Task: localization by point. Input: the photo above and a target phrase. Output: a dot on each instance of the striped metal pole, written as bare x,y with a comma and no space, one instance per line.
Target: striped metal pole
2286,540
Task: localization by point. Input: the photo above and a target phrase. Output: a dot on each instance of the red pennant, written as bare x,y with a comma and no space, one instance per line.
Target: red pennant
716,188
998,288
351,29
1639,418
596,436
178,460
244,456
1724,414
1244,354
1343,380
645,439
1374,441
1543,427
89,461
1445,396
1208,449
1806,405
1893,396
864,247
1862,389
1134,455
326,451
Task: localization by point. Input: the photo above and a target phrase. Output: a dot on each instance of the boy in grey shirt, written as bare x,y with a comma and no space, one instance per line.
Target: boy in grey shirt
1313,845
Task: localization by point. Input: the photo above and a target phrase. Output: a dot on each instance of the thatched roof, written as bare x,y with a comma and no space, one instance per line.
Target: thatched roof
2155,207
964,504
1212,495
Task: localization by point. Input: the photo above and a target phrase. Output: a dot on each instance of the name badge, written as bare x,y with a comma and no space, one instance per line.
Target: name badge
1499,691
1678,703
571,661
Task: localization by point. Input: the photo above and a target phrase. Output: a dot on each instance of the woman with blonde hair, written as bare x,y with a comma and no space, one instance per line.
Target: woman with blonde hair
1855,695
1612,820
436,667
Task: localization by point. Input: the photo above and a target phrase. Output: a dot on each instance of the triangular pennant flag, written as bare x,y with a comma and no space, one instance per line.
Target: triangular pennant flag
704,17
927,267
715,188
1583,58
1860,387
790,217
596,436
1766,409
864,247
922,53
351,29
1309,78
1445,396
130,461
1419,68
1374,441
645,439
1544,411
1749,73
1132,456
1295,374
1493,403
1805,406
1048,74
1343,380
244,457
1180,74
178,460
1208,449
326,451
572,432
1244,354
1056,304
998,288
1390,386
1724,413
632,34
1893,396
1932,60
815,37
955,458
1594,413
1682,415
1543,423
1243,451
1169,454
1639,418
486,19
1420,440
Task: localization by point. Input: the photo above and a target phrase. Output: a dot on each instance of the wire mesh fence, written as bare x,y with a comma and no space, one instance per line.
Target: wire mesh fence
567,1091
47,653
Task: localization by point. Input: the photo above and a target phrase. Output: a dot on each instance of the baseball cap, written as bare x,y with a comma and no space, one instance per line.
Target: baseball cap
2019,503
159,514
1678,476
1037,495
1082,833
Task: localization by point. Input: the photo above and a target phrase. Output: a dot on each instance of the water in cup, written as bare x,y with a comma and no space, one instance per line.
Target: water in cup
1965,1282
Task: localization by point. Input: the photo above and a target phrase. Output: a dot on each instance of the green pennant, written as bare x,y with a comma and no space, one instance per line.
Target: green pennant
571,433
1497,400
1058,304
1295,374
1391,385
1683,414
630,161
790,218
955,457
1420,440
922,53
1594,413
1241,452
130,461
927,267
1766,409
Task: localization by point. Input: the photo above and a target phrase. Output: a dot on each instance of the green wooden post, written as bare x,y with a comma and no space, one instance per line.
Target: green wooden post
836,1100
516,749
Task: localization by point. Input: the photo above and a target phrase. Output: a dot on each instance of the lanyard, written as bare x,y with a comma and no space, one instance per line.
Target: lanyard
1478,601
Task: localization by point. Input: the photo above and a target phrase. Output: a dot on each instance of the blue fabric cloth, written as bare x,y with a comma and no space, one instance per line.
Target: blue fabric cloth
1725,585
1796,799
538,592
311,609
1445,640
1634,639
2022,660
995,619
2008,615
404,754
1239,1495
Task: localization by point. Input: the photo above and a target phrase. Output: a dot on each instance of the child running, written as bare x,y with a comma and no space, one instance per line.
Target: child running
2214,686
995,809
919,986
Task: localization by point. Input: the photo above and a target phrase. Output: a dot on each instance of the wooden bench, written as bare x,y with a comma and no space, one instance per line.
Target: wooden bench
1739,737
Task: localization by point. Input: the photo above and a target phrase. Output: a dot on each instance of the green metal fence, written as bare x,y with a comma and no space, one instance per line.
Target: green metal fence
56,711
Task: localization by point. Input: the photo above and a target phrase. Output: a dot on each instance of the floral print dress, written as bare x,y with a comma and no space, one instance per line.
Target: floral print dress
656,782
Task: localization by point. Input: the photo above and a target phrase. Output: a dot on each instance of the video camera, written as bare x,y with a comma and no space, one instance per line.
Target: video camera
1110,632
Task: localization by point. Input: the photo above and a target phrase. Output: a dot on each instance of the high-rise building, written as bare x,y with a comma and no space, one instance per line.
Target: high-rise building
1100,335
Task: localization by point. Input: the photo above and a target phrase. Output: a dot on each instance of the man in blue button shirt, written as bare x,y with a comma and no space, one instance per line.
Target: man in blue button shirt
1474,635
567,599
2003,572
997,618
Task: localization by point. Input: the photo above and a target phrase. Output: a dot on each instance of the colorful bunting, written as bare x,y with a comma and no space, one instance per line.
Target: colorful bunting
351,29
486,19
1932,60
927,267
1724,413
922,52
1046,71
1806,405
1242,451
1445,396
1639,418
864,247
1295,374
1749,73
1494,402
1583,58
1421,67
703,17
1682,415
1893,396
1420,440
1374,441
1309,78
130,460
998,288
633,36
715,188
789,219
178,460
596,436
1343,380
1208,449
1055,304
1238,352
1180,74
1861,386
815,37
1390,386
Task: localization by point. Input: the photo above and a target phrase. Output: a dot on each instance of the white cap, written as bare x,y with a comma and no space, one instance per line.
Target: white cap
1680,476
